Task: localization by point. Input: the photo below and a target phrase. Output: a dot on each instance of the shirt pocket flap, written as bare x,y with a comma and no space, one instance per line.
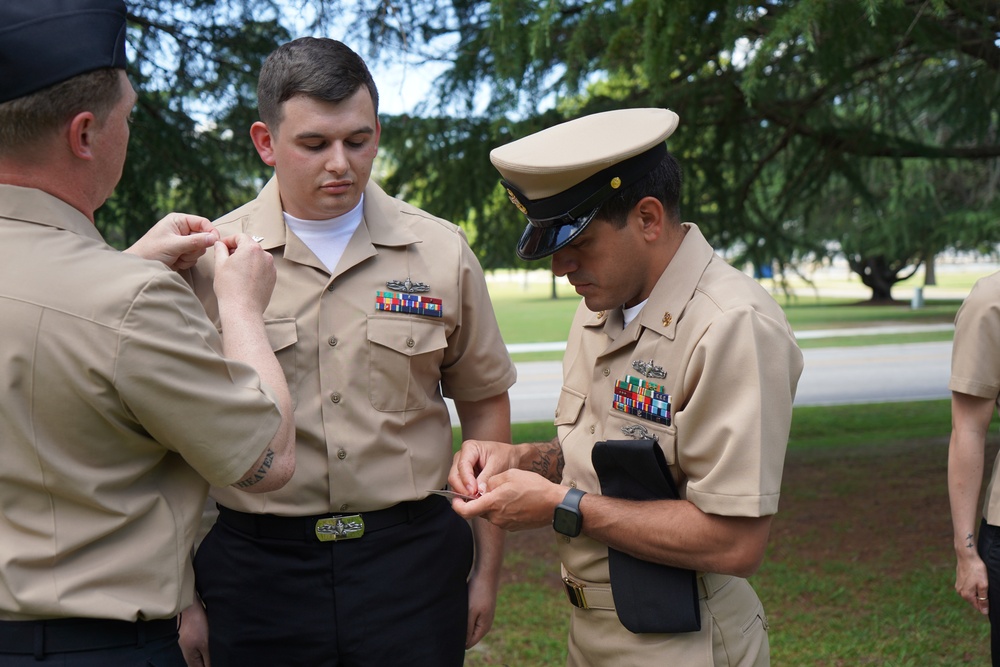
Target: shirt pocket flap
281,333
407,335
569,406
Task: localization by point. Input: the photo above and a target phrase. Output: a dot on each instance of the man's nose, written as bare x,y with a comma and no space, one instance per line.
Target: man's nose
336,160
563,262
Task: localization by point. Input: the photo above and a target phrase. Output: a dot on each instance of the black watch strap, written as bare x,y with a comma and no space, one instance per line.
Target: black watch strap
567,518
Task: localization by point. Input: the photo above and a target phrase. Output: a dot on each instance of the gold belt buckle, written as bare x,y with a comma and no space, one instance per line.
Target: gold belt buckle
336,528
574,590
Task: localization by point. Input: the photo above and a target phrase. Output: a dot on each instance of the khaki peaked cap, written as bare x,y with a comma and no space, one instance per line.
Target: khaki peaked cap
559,177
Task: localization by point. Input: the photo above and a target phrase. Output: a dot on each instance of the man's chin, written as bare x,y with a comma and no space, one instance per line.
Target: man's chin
596,304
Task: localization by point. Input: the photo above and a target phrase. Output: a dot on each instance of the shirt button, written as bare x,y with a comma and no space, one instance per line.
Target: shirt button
343,507
592,429
410,342
335,397
607,372
332,341
341,454
330,288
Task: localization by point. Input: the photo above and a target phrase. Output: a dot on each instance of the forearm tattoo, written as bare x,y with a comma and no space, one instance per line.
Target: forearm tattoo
550,462
969,542
258,474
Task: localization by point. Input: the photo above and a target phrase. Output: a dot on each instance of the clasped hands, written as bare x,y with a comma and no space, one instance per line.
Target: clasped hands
511,498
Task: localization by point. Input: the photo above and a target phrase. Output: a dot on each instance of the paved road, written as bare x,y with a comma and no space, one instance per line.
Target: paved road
832,375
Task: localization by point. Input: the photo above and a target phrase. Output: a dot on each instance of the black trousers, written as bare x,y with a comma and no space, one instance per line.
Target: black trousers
90,643
989,551
397,596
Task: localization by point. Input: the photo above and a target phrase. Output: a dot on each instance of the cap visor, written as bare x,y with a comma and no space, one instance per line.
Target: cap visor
539,242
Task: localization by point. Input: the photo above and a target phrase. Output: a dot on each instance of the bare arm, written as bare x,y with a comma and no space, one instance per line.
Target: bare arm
676,532
970,421
488,419
244,279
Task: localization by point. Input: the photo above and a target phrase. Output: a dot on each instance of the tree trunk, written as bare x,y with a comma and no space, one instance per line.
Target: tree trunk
554,295
930,275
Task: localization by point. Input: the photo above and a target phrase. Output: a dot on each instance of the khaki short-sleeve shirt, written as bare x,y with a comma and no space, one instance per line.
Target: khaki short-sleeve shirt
372,426
975,362
730,365
115,404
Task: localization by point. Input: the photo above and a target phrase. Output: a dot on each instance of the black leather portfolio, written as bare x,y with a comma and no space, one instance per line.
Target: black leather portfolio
649,597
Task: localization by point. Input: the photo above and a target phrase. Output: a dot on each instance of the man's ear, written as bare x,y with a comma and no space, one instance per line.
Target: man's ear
80,130
651,216
263,141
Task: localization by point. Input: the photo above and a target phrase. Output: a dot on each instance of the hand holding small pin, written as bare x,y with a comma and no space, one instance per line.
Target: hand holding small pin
447,493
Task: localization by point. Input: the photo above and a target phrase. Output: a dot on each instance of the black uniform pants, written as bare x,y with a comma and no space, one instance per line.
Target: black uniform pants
395,596
989,551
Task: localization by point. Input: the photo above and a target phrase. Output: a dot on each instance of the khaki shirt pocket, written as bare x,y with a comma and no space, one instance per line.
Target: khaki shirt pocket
405,356
622,426
569,406
283,336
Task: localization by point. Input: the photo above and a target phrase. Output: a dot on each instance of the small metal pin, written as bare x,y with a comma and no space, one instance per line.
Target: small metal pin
408,286
649,369
258,239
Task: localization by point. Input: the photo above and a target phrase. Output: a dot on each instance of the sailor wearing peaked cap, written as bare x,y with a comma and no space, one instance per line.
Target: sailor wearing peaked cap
678,382
45,42
559,177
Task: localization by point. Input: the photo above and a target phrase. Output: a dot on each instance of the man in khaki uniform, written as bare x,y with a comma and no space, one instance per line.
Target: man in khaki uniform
118,397
673,353
975,392
379,311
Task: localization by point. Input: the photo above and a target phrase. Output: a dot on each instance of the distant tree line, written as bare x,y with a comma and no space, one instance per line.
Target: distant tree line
809,128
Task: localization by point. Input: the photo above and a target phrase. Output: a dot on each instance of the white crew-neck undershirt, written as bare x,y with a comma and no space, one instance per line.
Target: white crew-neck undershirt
327,238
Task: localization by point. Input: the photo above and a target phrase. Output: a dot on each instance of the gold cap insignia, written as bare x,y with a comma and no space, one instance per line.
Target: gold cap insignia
519,205
667,319
616,183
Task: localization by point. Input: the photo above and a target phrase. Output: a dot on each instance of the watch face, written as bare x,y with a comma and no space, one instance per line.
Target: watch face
566,522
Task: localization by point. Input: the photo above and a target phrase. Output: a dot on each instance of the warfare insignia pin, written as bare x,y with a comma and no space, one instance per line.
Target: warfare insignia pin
649,369
639,432
407,286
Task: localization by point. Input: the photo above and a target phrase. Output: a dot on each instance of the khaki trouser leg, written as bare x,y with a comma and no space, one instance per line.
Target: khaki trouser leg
733,634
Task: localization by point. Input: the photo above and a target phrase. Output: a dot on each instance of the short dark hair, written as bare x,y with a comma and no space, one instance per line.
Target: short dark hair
663,182
26,120
321,68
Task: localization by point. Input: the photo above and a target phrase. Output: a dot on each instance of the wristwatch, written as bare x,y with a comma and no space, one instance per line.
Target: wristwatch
567,518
